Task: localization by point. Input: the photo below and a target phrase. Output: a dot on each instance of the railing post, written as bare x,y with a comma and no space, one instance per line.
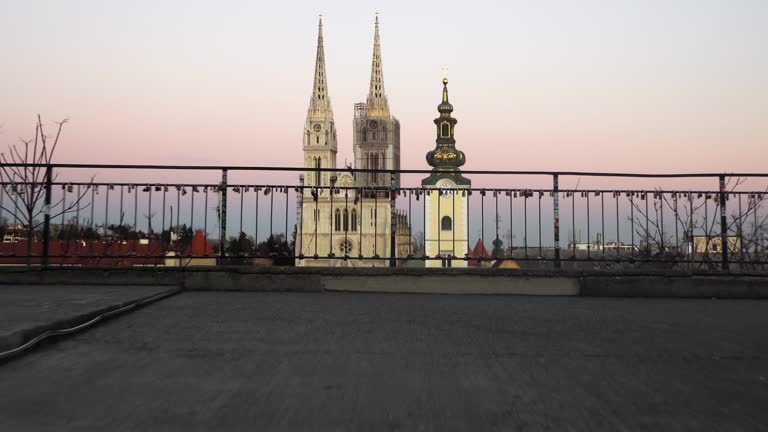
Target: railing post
223,214
393,224
47,211
723,224
556,208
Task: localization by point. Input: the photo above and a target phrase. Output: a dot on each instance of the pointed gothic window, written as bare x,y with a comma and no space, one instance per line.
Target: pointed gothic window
317,171
346,220
337,220
354,220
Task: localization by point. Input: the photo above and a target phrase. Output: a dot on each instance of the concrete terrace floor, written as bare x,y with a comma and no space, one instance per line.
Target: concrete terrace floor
334,361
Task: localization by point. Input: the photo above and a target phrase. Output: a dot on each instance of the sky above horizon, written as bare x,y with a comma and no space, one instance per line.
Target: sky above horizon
651,86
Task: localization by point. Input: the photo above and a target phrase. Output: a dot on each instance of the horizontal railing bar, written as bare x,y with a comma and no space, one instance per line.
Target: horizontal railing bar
388,189
402,171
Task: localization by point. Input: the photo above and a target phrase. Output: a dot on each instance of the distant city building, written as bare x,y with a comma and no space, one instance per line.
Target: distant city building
714,244
598,246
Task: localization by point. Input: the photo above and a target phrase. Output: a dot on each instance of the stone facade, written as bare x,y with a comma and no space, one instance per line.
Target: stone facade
344,216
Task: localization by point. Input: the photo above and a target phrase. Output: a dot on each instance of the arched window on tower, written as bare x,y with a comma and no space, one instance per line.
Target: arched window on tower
346,220
317,171
354,219
446,224
445,130
317,139
337,220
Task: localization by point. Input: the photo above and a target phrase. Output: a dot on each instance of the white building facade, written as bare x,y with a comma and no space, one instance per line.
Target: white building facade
343,215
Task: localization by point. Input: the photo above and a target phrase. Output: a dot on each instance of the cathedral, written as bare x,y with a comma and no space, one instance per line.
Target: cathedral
345,215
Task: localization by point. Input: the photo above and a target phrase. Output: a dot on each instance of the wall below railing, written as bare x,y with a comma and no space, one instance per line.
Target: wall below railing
443,281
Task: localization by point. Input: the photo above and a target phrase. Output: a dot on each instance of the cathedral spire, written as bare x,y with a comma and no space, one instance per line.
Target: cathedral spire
377,98
320,103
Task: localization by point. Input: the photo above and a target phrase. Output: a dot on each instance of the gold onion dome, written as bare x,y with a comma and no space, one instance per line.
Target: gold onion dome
445,156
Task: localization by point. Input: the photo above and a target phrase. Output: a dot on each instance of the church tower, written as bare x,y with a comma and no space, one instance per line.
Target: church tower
319,146
319,129
376,132
446,231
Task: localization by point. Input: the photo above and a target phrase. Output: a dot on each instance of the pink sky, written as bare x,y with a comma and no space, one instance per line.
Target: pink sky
649,86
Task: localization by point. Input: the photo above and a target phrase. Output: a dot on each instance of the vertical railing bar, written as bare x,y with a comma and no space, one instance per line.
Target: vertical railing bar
47,214
424,215
661,216
410,240
632,217
573,222
331,214
723,224
242,198
496,219
589,233
192,209
602,222
677,225
316,216
741,230
618,224
256,191
690,226
205,214
93,206
165,191
106,211
525,222
63,203
287,239
272,210
135,208
647,226
222,214
453,224
541,253
482,220
511,225
77,211
300,223
345,221
439,226
556,217
360,193
149,213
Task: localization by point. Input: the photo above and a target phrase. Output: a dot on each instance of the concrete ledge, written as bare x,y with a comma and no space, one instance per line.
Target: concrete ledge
237,281
454,284
404,280
725,287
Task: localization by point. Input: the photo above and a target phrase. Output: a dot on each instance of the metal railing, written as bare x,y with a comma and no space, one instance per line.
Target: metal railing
100,215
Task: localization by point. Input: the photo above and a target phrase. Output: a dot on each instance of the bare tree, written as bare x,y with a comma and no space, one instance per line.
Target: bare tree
693,212
26,184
